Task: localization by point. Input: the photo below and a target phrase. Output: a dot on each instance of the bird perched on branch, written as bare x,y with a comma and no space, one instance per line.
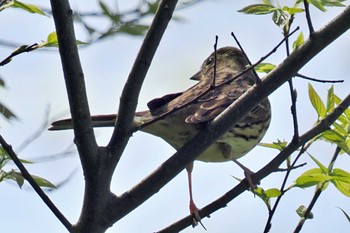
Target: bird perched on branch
177,117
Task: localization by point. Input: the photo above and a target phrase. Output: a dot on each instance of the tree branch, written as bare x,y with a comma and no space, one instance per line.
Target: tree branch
74,78
130,94
122,205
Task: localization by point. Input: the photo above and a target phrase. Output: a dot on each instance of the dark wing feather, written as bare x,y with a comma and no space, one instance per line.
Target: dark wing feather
159,102
213,103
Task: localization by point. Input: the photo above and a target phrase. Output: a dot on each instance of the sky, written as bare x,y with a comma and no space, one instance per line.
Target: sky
35,90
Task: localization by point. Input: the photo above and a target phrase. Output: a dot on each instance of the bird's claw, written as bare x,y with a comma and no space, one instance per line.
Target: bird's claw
197,219
195,216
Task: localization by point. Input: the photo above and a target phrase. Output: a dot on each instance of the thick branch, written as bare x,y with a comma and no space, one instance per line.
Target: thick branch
130,94
125,203
74,78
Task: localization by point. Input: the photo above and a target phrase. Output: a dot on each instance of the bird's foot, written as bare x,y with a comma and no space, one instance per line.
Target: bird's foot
195,216
248,175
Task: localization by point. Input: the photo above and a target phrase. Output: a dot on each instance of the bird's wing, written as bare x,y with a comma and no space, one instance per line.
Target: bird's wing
212,104
159,102
174,102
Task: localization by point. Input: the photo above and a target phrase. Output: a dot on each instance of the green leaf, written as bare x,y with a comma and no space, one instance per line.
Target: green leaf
28,7
258,9
281,18
316,102
337,100
346,215
292,10
333,136
52,40
330,99
341,180
134,29
6,112
264,67
17,176
114,17
312,177
336,138
43,182
337,3
279,145
152,7
340,129
299,41
301,212
318,4
273,192
320,165
2,82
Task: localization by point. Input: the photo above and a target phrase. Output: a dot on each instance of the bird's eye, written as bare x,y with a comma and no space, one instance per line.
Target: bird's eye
209,61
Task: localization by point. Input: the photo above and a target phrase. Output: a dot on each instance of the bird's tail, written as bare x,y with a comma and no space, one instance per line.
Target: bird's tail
97,121
102,121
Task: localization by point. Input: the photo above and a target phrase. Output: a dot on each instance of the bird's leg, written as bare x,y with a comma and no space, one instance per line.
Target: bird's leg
247,174
193,208
227,152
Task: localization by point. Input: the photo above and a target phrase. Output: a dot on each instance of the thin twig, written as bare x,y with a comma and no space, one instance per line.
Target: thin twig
35,186
292,91
308,17
317,193
282,190
318,80
291,168
19,50
257,78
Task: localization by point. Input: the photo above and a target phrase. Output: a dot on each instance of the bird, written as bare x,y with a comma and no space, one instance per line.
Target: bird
177,117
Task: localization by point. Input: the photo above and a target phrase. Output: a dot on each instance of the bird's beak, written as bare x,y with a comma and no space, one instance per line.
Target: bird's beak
196,76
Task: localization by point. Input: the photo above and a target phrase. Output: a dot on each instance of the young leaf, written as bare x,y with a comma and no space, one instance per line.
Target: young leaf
346,215
319,164
299,41
341,180
311,177
258,9
43,182
330,99
134,29
301,212
337,100
333,3
273,192
281,18
52,40
316,102
264,67
28,7
17,176
6,112
279,145
318,4
292,10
